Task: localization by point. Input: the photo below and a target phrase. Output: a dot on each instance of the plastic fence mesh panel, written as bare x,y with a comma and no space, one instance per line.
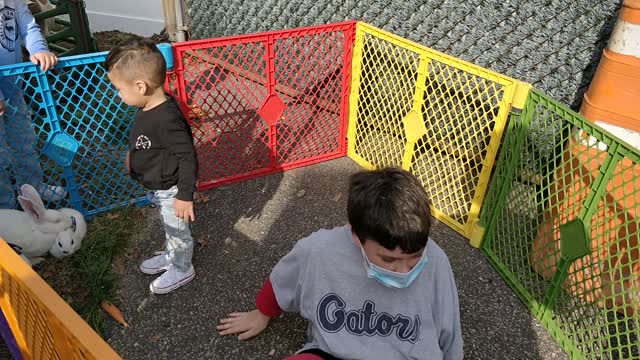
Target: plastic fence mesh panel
461,110
30,317
266,102
309,76
437,116
564,229
230,136
44,326
92,114
79,130
527,158
387,78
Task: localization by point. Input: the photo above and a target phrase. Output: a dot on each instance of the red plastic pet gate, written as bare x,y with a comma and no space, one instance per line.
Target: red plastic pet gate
268,102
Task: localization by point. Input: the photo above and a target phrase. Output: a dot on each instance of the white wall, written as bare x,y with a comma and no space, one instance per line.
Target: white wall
142,17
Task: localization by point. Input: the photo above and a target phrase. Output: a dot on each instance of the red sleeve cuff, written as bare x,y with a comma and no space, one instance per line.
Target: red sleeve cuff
266,300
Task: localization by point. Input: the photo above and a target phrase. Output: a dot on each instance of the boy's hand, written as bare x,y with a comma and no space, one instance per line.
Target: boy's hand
184,210
3,107
248,324
45,59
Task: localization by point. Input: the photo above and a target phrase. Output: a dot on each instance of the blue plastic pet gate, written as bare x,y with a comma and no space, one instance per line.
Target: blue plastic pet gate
81,130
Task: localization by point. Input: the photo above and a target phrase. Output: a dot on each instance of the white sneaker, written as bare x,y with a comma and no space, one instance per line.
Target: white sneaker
52,192
172,279
156,264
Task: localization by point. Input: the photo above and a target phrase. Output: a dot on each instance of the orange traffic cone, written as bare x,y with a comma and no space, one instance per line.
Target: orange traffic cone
614,94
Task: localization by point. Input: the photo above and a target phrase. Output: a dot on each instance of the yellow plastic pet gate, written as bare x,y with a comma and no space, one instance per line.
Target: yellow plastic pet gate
432,114
42,325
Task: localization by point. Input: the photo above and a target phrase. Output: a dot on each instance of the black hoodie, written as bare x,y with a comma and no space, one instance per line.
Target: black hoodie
161,150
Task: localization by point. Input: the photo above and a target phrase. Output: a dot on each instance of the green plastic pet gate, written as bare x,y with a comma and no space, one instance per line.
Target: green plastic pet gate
562,228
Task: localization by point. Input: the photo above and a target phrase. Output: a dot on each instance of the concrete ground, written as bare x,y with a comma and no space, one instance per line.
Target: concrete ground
244,229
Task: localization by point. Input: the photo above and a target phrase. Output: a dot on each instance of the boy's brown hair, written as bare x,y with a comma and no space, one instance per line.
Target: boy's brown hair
391,207
138,59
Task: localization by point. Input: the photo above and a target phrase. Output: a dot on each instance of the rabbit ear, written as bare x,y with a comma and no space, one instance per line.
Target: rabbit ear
32,194
37,213
31,203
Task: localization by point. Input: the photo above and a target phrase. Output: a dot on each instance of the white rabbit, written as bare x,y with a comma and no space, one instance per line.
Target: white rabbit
37,230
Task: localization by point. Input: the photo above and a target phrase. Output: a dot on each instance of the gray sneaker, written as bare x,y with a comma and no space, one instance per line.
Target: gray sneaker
156,264
172,279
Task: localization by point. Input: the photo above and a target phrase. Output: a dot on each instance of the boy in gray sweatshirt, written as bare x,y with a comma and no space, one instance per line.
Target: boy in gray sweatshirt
378,288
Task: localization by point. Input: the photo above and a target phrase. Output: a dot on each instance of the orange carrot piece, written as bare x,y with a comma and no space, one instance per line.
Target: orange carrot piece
114,312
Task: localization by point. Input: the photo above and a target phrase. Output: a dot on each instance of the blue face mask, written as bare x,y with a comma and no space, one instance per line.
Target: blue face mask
394,279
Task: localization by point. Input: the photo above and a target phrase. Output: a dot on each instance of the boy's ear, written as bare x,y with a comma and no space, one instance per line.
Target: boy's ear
142,87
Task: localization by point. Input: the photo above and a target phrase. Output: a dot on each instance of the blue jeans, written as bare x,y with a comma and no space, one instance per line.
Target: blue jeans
17,145
179,243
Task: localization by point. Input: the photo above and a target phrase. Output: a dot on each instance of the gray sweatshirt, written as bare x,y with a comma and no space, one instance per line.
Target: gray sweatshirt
354,317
